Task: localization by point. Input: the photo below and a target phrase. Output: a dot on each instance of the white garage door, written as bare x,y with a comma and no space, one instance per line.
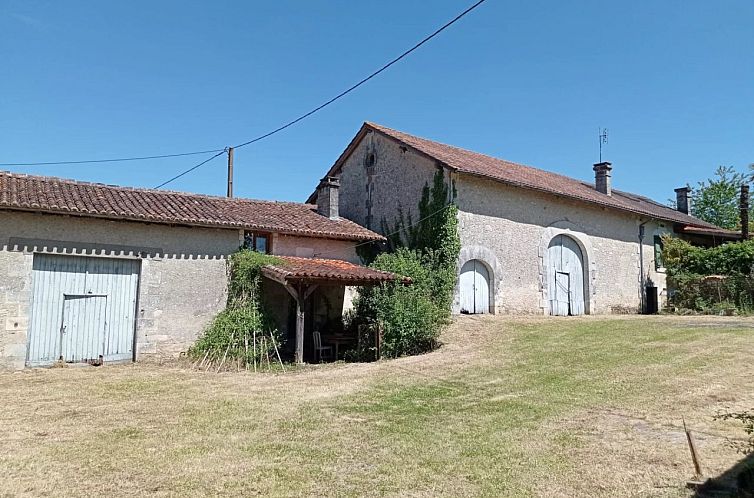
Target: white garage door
83,309
565,279
474,286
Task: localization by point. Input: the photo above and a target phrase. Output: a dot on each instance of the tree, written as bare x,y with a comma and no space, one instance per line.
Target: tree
716,200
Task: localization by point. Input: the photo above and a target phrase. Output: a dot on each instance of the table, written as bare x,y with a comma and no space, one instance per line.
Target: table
337,340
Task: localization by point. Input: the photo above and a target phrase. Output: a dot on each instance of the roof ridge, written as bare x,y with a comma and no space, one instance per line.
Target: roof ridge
526,176
53,195
477,153
73,181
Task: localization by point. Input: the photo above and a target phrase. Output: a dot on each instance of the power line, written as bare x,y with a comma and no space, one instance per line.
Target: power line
364,80
115,160
351,88
272,132
190,169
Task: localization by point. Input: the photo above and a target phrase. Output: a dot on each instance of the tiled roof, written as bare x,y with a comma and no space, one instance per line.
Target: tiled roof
70,197
474,163
326,270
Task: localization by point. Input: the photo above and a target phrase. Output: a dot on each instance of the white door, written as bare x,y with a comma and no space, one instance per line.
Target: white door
82,335
474,285
561,301
75,292
565,276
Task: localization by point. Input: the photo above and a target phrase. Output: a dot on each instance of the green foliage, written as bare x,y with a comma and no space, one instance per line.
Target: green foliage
411,316
242,332
727,259
716,200
430,231
710,280
426,251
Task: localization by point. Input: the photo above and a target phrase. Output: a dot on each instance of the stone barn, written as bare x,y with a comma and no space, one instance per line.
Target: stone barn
92,272
533,242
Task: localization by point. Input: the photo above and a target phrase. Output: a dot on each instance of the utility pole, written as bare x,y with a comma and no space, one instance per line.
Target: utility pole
230,171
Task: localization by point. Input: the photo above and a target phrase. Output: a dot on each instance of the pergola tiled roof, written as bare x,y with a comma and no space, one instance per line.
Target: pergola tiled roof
301,276
518,175
51,195
315,270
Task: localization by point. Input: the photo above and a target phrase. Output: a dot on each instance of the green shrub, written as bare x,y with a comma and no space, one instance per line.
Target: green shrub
243,332
710,280
411,316
427,250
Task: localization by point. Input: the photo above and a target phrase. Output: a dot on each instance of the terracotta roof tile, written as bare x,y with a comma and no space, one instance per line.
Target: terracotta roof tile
61,196
474,163
316,269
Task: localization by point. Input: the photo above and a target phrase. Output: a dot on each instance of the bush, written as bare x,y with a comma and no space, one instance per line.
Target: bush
714,280
242,332
727,259
411,316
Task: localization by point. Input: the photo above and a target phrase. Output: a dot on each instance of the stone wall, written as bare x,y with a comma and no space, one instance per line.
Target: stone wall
182,277
510,230
374,191
507,228
310,247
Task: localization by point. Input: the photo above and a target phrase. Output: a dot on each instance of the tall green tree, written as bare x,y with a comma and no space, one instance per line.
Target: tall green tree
716,200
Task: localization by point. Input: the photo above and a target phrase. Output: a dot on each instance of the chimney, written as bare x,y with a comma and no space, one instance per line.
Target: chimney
682,199
602,180
744,207
327,197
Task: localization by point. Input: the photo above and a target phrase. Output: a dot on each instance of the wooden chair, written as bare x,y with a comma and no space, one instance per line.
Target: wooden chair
321,351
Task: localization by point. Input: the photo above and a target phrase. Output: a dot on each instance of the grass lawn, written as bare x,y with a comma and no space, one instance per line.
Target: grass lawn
508,407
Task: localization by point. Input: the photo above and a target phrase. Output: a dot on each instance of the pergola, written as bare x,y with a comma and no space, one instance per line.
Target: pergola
302,276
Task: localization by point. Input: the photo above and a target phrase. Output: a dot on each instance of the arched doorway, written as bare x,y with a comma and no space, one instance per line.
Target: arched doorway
474,286
565,276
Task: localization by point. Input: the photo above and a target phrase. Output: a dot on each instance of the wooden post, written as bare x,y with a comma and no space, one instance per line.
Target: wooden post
300,301
694,454
744,210
254,345
378,341
277,352
230,171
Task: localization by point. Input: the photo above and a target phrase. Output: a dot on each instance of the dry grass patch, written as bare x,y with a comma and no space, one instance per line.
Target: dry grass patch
555,407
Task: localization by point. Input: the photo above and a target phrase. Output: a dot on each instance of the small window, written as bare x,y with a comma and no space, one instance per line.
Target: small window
371,159
259,242
658,253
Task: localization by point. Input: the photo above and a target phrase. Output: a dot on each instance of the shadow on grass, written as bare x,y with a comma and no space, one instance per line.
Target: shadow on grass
737,481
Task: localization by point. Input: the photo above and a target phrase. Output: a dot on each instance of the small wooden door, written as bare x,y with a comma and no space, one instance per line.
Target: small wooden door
474,286
561,304
565,277
83,330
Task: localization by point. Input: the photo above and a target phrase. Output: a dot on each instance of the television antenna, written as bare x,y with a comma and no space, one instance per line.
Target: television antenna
602,137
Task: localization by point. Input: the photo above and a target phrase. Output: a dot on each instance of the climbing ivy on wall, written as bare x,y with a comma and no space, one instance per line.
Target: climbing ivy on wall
426,250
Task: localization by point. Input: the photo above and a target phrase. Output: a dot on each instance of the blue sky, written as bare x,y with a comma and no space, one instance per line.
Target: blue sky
531,82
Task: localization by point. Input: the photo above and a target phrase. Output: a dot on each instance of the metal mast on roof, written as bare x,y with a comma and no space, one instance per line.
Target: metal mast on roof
602,138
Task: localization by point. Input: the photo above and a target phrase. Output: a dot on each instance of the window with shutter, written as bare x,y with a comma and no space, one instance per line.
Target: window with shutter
658,253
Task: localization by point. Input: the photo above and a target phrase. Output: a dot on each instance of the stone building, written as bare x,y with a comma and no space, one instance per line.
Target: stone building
533,242
91,271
